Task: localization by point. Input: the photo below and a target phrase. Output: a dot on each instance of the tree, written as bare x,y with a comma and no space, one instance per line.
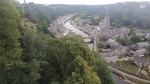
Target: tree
82,73
59,53
10,51
135,39
30,71
9,34
108,46
33,45
103,71
70,61
123,41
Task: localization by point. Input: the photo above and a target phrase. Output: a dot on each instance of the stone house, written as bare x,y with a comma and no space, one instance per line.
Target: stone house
140,45
140,52
147,35
113,44
141,61
111,59
144,73
111,56
139,32
131,53
121,49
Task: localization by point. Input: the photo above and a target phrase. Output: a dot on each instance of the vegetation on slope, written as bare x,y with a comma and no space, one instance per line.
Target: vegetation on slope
33,56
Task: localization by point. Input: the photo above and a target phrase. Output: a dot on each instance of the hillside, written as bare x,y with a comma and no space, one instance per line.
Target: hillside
30,54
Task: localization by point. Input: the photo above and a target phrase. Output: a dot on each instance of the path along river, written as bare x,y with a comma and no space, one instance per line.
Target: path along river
78,32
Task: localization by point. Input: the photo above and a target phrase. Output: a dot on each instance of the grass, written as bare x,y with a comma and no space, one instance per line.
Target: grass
130,68
148,58
136,81
122,56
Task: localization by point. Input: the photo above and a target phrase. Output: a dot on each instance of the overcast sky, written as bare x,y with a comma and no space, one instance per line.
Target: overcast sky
87,2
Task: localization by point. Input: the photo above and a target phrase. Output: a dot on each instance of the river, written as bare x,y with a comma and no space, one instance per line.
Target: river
78,32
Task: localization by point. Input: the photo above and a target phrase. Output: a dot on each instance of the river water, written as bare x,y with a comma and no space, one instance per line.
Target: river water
78,32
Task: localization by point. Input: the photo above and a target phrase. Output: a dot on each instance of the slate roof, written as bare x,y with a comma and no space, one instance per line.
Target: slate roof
103,54
114,53
143,44
141,60
141,50
114,43
110,54
144,72
106,50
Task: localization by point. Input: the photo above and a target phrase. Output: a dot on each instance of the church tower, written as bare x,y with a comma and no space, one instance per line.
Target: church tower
107,20
25,1
105,23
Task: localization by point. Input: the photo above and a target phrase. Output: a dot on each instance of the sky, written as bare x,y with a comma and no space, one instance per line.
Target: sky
87,2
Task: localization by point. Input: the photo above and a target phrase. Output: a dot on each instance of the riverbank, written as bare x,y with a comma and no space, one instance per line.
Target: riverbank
78,32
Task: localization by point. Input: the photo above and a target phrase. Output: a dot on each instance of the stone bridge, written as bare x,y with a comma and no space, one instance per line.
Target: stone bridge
94,42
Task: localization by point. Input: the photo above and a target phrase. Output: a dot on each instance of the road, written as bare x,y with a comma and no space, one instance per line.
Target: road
129,75
117,80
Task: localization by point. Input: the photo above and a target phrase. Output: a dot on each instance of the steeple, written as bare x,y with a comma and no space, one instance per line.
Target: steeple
25,1
107,12
142,5
105,23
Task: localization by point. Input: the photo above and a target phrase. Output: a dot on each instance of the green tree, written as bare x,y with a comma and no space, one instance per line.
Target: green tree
71,61
135,39
33,45
102,70
59,53
10,51
124,41
9,34
108,46
82,73
30,71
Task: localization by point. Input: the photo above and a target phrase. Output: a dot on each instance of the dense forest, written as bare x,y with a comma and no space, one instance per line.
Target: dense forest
32,55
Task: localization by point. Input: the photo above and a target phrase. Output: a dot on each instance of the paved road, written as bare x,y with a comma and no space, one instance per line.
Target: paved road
117,80
129,75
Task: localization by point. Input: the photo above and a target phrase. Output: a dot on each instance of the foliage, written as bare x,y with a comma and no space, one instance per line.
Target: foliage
101,68
135,39
128,66
10,51
60,52
107,46
71,61
9,34
33,56
123,41
82,73
100,45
